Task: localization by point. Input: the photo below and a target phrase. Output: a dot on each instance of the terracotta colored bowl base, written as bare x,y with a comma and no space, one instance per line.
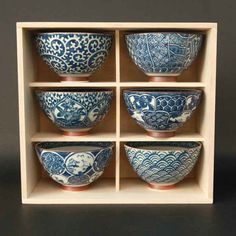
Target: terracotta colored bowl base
161,134
68,133
162,78
161,187
68,188
74,79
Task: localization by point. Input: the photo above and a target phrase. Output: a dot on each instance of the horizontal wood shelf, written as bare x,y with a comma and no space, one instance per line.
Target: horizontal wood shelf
106,136
58,137
114,84
125,137
132,191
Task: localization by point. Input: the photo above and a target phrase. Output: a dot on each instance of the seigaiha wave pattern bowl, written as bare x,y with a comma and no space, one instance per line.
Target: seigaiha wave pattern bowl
162,164
163,56
74,165
74,56
75,111
161,112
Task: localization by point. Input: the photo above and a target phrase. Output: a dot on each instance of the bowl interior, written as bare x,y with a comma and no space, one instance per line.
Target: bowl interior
189,33
73,90
162,146
75,147
74,33
162,91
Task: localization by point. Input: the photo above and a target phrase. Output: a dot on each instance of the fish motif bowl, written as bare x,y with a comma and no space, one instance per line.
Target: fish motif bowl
75,112
161,112
163,56
74,165
74,56
162,164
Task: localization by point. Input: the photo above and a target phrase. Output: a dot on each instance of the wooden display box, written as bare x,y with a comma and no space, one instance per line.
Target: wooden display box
119,184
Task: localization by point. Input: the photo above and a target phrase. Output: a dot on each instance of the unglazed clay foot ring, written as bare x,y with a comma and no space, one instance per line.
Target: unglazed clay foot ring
161,187
69,188
161,134
70,133
162,78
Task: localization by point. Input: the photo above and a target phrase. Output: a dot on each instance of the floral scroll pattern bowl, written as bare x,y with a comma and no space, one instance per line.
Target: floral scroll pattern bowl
74,165
163,55
74,56
161,112
162,164
75,111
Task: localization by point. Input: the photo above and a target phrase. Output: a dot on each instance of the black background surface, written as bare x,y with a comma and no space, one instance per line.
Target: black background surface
217,219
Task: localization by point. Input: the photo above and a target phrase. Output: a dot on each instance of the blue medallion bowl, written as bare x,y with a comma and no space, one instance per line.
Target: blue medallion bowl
161,112
74,165
163,55
75,111
162,164
74,56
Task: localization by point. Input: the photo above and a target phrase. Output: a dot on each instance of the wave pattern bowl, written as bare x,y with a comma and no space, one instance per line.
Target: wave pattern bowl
162,164
75,111
74,165
161,112
163,55
74,56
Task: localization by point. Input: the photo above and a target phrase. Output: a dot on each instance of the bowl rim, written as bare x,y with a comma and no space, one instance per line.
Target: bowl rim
163,90
165,32
111,145
73,32
199,144
83,91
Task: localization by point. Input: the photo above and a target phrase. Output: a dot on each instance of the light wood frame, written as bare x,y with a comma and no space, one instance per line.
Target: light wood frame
119,184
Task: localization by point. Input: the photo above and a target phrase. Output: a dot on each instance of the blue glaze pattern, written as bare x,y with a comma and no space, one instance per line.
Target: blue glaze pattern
74,168
75,110
163,163
73,53
164,52
161,110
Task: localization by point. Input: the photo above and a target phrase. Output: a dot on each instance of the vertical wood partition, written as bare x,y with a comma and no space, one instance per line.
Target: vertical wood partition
119,184
117,43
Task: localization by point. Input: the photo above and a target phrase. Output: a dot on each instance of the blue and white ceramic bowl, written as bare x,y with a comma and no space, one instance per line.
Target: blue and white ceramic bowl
75,111
163,55
74,165
74,56
161,112
162,164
